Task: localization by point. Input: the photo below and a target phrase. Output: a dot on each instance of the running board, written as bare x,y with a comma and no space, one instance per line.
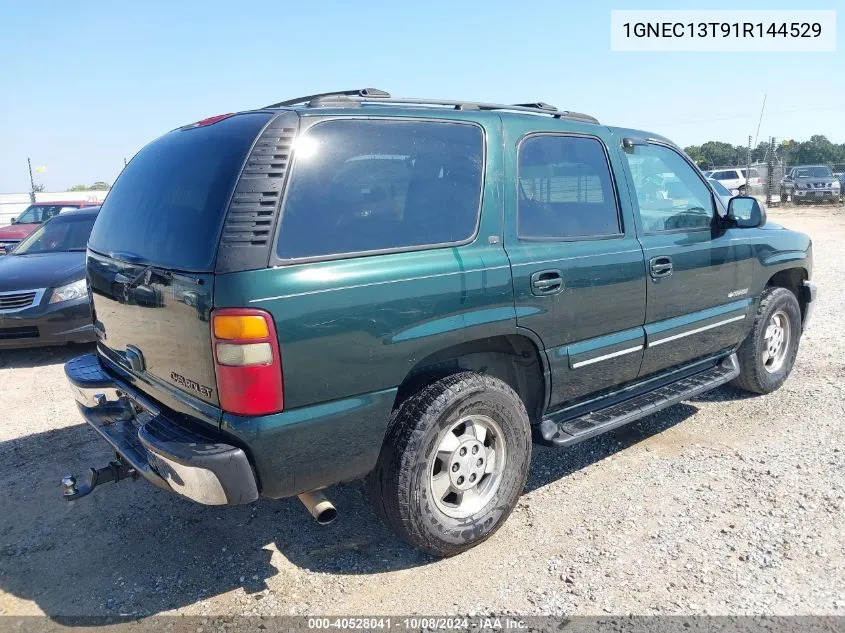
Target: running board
574,430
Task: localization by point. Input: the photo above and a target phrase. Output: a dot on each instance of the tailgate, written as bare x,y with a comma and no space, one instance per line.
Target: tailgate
155,323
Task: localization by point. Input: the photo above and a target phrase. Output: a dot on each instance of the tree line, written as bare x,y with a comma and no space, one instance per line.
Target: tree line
97,186
817,151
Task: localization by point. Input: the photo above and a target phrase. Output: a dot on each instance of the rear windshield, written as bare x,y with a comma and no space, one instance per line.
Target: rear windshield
167,206
42,212
371,185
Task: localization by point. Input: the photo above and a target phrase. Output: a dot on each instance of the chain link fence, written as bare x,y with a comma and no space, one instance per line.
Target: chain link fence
763,178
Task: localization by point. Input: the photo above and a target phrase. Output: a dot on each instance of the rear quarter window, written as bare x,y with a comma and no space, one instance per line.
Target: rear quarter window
360,186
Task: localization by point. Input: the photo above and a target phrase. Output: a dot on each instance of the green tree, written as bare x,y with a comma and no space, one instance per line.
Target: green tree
97,186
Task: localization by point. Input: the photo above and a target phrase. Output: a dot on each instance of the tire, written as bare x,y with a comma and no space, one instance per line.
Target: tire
760,371
783,196
402,484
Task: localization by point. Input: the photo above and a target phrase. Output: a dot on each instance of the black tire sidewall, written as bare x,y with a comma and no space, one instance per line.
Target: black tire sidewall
400,483
784,301
455,531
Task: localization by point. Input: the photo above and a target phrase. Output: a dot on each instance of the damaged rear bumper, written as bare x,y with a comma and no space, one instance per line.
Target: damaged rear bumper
174,456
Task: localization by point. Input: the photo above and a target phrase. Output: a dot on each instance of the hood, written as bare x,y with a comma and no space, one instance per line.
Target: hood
17,231
40,270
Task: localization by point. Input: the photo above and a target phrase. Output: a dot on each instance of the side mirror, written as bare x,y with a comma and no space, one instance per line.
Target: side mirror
746,212
13,221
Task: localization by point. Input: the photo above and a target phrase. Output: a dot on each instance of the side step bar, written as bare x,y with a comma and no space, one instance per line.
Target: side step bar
574,430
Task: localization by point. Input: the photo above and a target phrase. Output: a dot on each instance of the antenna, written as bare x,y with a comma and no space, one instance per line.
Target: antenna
760,120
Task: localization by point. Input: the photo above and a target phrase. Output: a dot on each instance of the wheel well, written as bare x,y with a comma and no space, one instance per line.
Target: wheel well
513,359
793,280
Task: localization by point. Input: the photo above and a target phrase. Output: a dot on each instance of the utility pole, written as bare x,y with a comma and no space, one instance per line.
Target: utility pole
31,182
770,168
748,168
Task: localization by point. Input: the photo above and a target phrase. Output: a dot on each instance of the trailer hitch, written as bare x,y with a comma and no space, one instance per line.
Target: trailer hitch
114,471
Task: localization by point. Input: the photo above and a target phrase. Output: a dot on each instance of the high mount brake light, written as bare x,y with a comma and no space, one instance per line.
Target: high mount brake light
210,120
247,362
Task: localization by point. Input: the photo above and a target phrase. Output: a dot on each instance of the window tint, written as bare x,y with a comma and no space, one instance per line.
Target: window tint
167,205
66,234
670,194
369,185
565,189
724,175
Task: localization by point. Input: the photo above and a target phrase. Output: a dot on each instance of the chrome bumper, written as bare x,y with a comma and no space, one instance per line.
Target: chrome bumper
189,461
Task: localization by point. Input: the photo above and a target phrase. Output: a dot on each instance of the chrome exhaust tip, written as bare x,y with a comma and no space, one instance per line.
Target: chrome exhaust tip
318,506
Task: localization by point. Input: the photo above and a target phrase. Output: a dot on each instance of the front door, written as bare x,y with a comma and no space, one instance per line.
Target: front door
578,272
699,273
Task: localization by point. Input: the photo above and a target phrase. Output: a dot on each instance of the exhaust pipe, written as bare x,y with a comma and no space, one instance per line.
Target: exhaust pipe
320,508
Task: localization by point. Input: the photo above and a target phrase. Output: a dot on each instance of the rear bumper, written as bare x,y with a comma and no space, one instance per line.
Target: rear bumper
47,324
174,456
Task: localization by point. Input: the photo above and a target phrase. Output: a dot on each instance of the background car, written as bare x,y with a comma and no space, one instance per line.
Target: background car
32,217
810,183
738,179
43,296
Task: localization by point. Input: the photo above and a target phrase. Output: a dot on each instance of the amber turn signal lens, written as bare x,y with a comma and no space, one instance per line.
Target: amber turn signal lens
232,327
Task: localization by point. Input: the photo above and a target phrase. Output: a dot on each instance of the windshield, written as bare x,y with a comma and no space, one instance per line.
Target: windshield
60,235
813,172
719,188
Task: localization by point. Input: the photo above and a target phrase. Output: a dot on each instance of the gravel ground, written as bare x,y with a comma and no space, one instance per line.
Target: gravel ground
727,504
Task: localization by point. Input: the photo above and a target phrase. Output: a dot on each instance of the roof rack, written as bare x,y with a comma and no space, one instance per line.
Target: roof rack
369,93
380,97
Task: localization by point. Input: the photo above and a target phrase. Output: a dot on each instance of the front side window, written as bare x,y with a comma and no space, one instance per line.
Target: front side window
670,194
359,186
565,189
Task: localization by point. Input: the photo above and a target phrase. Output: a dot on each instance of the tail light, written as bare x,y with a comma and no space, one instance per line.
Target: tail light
247,362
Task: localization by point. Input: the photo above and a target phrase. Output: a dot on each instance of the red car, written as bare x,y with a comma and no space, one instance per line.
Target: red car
33,217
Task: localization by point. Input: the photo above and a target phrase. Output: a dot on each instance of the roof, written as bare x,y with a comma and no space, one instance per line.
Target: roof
80,213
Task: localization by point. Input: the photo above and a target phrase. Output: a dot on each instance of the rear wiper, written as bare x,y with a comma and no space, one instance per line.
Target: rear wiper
131,282
151,270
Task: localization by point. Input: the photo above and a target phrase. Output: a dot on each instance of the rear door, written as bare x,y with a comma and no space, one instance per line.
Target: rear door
152,257
699,274
578,272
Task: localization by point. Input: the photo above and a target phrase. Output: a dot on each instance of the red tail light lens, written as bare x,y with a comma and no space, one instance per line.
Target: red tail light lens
247,362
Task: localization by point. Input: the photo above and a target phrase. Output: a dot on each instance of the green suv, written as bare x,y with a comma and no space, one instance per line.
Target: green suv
352,285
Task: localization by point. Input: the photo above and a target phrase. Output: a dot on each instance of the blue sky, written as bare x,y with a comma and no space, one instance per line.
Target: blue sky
87,83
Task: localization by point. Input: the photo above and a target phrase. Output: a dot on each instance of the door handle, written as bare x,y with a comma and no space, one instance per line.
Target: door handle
660,267
546,282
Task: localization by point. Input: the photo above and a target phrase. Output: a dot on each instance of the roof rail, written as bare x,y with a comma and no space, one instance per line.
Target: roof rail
374,96
541,105
369,93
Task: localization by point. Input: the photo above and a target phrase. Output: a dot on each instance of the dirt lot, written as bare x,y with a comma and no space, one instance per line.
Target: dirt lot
726,504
